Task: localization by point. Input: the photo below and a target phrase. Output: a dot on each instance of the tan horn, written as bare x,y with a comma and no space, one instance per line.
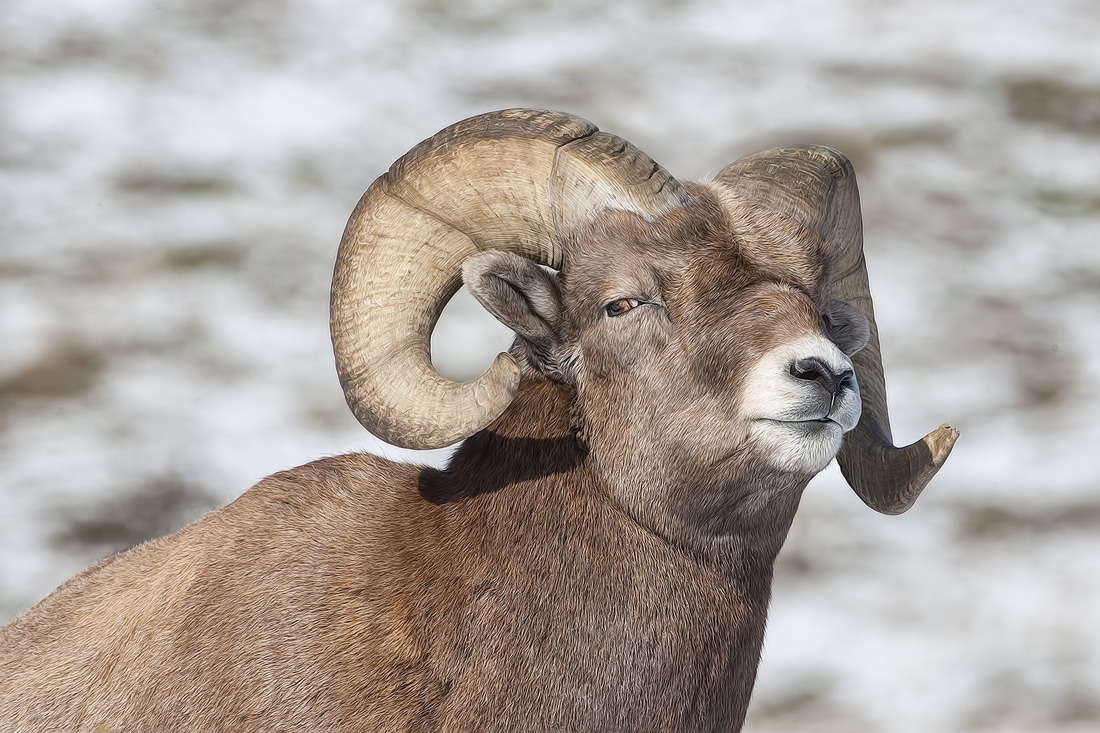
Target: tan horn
816,187
517,180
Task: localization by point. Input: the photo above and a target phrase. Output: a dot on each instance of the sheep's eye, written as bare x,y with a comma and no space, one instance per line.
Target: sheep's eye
620,306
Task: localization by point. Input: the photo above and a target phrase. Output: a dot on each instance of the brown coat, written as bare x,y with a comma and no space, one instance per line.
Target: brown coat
356,594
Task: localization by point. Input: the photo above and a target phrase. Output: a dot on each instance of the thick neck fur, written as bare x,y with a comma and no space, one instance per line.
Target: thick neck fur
657,617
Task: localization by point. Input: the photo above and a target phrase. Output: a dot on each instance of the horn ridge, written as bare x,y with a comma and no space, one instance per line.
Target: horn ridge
518,180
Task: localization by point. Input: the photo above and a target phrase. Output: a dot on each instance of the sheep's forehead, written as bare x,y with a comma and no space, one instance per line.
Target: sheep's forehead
713,246
784,249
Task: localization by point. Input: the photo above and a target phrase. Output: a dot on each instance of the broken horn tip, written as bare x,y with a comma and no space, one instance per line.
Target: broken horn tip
940,442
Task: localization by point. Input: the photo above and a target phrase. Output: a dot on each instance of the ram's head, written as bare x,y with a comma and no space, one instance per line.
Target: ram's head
717,326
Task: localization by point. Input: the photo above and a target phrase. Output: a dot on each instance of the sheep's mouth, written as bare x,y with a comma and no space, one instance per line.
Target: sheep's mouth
808,421
813,430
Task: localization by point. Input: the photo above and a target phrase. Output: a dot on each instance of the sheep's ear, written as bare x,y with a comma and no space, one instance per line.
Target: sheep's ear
526,298
848,327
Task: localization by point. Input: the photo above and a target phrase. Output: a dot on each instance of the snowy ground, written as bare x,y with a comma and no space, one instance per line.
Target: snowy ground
175,175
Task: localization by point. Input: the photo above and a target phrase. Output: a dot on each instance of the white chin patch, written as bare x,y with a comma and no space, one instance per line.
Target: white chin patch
798,423
798,447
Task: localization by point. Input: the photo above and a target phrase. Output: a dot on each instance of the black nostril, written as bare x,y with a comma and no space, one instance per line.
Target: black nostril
846,380
813,369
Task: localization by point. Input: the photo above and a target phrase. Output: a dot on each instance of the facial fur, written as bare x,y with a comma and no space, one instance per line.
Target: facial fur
687,354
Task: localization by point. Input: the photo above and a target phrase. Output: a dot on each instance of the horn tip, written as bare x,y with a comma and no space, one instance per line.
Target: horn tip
506,369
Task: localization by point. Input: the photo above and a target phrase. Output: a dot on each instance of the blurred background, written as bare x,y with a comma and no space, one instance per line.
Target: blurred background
175,176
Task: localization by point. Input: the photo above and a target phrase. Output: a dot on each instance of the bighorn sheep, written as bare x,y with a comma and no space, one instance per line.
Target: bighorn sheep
598,553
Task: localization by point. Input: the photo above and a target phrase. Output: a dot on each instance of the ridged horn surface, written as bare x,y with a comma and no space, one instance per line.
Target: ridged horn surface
816,187
517,180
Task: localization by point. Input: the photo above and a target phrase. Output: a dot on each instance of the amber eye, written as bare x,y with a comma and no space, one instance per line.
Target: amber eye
620,306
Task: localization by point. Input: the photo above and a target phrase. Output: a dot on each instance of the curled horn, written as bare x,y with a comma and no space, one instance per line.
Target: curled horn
816,187
517,180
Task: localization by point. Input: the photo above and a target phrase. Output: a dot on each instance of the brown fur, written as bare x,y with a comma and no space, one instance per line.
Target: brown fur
598,559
